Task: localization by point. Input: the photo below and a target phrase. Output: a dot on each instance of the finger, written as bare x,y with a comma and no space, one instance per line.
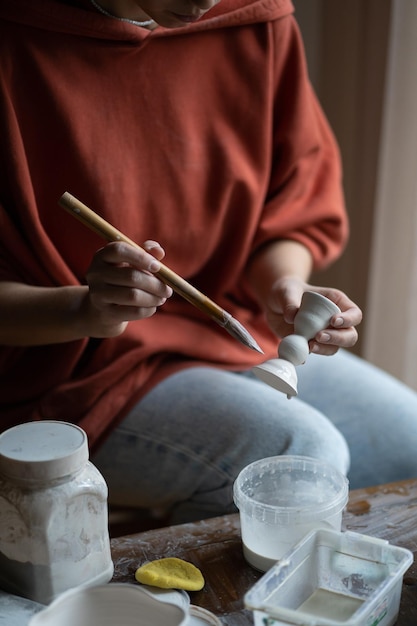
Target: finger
131,313
345,338
347,318
290,312
284,302
128,276
128,297
154,248
121,264
323,350
103,277
287,298
351,314
119,252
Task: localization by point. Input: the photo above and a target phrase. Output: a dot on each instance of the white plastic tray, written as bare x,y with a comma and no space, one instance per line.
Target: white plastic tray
332,578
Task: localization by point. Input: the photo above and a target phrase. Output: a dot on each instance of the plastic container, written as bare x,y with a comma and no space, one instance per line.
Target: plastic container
281,499
332,579
110,605
53,512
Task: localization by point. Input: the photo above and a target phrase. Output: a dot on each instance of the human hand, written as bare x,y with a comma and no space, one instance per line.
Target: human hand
122,287
283,304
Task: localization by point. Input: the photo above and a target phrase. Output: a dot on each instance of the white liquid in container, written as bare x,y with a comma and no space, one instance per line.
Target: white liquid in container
281,499
53,512
330,605
269,544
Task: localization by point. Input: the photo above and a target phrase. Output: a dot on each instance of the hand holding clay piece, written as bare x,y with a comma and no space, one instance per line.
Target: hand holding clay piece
314,315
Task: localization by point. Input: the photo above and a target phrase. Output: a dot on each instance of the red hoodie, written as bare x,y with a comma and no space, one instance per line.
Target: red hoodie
207,139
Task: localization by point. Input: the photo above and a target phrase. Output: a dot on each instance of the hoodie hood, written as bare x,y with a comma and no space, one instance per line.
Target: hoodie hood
80,17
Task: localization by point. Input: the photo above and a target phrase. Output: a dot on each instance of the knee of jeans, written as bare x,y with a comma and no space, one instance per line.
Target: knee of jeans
324,442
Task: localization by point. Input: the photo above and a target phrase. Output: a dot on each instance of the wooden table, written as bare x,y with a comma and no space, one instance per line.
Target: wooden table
388,511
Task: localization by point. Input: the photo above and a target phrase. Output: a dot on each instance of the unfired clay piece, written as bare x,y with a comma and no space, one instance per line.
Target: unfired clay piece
314,315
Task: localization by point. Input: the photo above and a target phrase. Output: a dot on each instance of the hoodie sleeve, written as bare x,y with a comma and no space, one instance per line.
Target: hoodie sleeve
305,199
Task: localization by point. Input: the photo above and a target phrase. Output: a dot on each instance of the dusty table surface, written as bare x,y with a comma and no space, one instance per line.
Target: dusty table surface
387,511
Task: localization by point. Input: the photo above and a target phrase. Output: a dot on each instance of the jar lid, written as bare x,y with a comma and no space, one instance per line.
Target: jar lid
44,450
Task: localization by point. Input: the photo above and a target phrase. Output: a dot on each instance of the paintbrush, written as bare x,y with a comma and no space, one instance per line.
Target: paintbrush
179,285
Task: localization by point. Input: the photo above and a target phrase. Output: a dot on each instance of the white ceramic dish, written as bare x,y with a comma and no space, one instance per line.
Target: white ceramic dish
115,603
172,596
201,617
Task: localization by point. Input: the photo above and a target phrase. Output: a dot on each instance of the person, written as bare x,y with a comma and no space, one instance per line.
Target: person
192,127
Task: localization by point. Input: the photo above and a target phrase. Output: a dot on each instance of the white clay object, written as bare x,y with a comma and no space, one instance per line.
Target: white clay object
314,314
279,374
294,348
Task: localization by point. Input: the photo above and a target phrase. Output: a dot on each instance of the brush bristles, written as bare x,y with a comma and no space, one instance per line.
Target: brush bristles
240,333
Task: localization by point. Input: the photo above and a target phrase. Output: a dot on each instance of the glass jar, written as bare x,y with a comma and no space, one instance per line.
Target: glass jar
53,512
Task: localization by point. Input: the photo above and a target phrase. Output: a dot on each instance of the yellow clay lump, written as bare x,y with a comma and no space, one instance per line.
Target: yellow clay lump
170,573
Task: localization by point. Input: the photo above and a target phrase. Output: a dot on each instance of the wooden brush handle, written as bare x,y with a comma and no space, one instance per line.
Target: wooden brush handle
100,226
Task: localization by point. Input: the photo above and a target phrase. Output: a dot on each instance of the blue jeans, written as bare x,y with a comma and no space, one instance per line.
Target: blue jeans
181,448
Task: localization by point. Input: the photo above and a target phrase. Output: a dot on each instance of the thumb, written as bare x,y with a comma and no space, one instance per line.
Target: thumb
287,296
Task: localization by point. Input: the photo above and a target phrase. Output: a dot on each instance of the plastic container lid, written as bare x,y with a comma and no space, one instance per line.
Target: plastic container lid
44,450
290,490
